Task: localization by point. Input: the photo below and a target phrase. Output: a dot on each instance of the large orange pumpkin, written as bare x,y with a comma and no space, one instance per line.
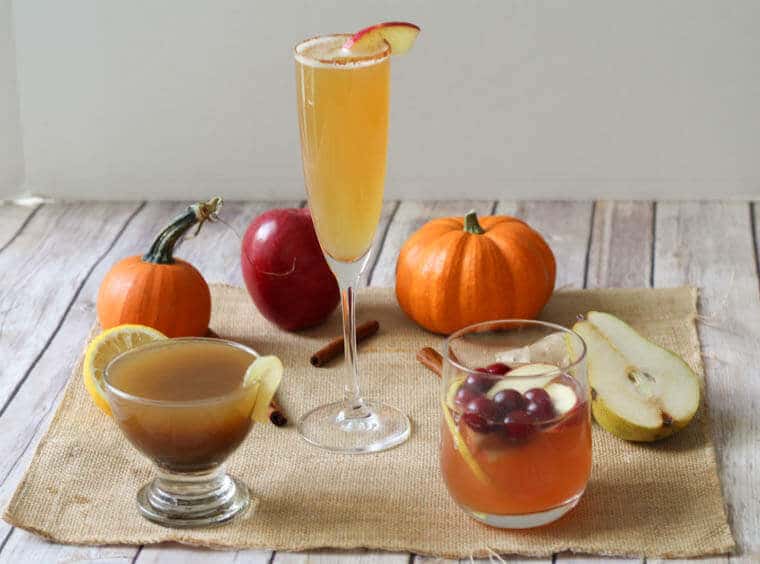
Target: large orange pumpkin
157,289
454,272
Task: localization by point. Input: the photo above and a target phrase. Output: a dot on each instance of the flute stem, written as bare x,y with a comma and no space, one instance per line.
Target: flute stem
352,398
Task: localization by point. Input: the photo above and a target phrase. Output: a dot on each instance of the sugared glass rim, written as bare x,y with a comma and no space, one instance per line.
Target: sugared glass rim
178,341
493,326
341,63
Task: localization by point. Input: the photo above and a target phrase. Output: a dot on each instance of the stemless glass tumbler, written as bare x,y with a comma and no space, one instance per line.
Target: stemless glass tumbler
516,431
343,102
183,403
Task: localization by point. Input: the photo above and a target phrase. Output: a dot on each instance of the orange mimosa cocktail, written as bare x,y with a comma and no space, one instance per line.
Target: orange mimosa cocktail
343,114
342,84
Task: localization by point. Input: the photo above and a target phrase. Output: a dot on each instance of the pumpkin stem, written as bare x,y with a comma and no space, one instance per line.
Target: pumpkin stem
471,224
162,249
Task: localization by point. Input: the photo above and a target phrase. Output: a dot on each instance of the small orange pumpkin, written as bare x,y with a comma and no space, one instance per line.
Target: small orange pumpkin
158,290
453,272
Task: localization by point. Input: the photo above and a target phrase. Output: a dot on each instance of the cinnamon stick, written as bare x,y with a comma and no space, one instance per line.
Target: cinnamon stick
335,347
276,414
432,360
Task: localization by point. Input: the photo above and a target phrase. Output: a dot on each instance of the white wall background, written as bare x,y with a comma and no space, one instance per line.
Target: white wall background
183,98
11,159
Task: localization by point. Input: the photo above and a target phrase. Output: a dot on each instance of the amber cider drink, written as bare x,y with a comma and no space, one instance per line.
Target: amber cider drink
197,411
183,404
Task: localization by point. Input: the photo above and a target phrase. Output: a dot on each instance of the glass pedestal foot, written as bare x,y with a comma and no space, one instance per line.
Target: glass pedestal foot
193,500
331,427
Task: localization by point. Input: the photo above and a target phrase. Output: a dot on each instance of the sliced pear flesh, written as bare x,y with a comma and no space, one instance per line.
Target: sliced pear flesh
639,391
616,404
658,373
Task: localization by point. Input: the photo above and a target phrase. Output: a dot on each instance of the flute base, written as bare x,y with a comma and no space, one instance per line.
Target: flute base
332,427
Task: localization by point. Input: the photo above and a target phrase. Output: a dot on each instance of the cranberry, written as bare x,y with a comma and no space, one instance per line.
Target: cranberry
479,382
539,405
518,425
537,394
497,368
483,407
476,422
464,395
508,400
540,411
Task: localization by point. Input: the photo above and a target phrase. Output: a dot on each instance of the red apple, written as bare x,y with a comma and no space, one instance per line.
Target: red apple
399,35
285,272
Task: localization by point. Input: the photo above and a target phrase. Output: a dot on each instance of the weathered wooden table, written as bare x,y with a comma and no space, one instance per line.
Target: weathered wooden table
53,256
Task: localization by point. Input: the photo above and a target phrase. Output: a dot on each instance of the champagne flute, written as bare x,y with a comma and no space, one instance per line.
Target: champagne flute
343,100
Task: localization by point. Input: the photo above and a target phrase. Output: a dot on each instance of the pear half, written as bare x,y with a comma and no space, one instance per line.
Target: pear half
639,390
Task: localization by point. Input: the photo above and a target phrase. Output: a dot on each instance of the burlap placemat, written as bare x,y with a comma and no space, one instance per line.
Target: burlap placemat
660,500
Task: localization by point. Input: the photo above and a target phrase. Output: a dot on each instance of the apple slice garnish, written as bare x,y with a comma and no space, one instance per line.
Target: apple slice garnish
399,35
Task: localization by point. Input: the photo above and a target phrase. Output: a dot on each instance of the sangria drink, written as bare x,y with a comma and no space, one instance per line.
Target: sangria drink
185,405
516,428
